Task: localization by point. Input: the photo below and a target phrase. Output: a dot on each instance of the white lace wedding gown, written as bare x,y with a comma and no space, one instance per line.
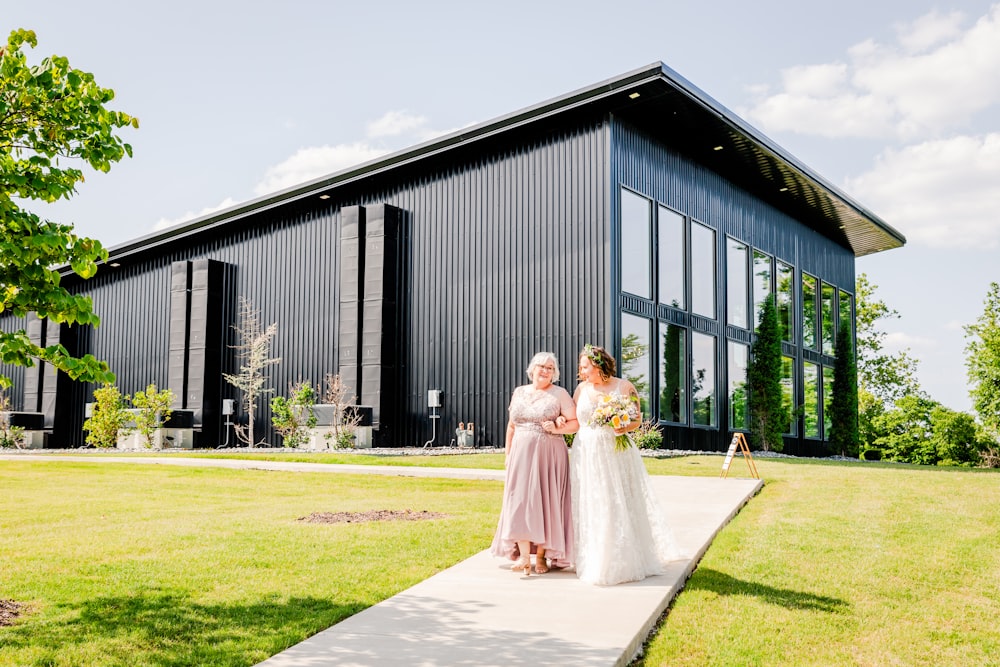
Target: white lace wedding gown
621,532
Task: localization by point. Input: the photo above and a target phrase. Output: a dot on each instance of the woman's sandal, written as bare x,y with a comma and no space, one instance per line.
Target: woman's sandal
522,565
541,566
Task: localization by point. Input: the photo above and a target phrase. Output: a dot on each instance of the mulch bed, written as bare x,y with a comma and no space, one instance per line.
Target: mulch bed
9,610
371,515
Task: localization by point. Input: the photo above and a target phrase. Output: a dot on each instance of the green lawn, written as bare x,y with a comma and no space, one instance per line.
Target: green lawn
831,564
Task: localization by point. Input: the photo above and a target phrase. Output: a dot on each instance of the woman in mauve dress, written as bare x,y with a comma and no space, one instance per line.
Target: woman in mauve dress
536,516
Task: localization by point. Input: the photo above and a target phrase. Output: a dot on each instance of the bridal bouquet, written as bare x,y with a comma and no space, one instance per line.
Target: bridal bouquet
616,411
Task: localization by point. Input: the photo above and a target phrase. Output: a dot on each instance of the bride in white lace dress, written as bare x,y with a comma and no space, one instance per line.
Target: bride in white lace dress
621,531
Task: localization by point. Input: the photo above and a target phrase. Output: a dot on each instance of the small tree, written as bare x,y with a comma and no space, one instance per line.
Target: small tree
252,351
294,416
345,419
108,418
152,409
10,436
768,414
908,431
844,403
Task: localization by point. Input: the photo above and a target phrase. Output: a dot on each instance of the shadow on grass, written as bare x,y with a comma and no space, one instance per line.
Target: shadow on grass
169,629
705,579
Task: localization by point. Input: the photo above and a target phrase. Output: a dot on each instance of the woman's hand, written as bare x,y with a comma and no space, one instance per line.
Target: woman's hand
549,426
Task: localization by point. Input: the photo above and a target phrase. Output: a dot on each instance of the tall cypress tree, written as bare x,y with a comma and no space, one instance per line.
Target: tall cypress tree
767,411
844,402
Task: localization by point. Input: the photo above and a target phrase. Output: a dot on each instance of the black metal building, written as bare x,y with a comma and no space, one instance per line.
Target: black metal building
637,213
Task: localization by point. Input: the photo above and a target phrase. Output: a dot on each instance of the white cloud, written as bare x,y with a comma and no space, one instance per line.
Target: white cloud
394,123
313,162
897,340
164,223
942,193
934,77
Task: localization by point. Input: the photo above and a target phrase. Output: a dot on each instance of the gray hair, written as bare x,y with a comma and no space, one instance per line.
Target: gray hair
539,359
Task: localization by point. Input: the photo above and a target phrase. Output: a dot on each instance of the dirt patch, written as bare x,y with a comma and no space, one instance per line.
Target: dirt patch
371,515
9,610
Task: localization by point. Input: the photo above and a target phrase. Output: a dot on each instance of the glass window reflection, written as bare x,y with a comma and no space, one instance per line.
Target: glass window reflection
761,282
636,242
786,301
737,289
739,358
673,374
810,406
827,397
636,358
704,411
826,317
809,288
788,393
671,266
703,270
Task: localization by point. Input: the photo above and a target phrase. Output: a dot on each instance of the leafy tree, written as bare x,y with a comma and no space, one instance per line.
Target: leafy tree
882,378
768,413
908,430
108,419
294,416
844,403
53,120
955,436
152,409
252,351
982,360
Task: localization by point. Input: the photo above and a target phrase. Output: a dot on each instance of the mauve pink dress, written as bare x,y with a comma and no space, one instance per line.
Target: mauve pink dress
536,495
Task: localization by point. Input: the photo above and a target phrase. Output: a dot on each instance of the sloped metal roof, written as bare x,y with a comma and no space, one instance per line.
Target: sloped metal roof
667,106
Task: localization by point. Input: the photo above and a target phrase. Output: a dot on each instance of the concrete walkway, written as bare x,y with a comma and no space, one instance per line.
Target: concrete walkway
480,613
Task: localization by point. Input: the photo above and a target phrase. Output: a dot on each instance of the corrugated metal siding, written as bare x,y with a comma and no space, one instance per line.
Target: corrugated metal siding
502,255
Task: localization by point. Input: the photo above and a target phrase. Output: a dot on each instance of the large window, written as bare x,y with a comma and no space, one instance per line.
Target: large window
809,289
827,397
737,289
673,374
671,267
739,358
846,311
703,270
786,301
788,393
810,406
704,411
636,246
636,357
761,283
827,325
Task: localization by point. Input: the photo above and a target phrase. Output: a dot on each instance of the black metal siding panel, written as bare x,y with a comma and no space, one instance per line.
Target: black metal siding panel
502,254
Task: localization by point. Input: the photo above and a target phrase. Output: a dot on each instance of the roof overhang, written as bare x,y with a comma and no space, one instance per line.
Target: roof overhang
667,106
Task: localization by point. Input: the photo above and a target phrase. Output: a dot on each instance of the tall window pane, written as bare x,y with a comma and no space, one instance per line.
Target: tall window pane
636,244
786,301
673,374
826,317
809,288
704,411
788,393
761,282
846,311
827,396
703,270
671,266
636,357
739,357
810,405
737,289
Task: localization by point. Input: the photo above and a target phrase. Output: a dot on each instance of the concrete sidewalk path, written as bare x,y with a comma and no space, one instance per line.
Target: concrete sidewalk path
480,613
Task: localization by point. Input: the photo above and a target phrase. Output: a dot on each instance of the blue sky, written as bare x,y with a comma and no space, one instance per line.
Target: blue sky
897,103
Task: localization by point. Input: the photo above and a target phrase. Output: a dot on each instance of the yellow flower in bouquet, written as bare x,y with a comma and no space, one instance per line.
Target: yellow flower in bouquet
615,411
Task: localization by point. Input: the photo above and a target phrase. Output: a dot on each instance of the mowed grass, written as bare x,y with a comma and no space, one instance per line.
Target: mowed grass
155,565
844,564
831,564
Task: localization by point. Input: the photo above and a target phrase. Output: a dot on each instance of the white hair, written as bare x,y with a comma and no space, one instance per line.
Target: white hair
539,359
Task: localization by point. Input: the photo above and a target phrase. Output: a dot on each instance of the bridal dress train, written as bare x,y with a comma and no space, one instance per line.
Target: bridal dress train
621,531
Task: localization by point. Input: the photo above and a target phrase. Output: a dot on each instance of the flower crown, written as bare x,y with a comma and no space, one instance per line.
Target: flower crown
590,351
